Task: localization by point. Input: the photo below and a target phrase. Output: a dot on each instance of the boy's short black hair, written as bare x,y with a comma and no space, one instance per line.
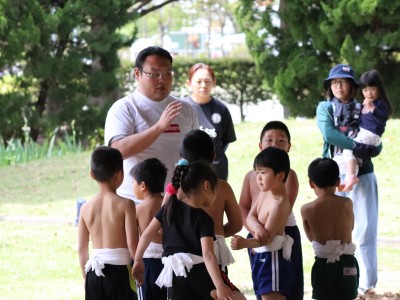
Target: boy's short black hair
274,158
105,162
152,172
324,172
275,125
197,145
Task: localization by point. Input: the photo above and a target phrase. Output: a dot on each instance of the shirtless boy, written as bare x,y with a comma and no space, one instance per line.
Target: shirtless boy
276,134
328,223
148,184
272,272
109,221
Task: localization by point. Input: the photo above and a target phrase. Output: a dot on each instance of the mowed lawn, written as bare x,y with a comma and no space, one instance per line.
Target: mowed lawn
38,239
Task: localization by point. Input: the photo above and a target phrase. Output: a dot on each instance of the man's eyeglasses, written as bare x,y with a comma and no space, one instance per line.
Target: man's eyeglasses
168,74
340,82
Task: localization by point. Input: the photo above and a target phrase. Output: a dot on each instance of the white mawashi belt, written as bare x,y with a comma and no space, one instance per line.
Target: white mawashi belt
333,249
222,252
154,250
100,257
176,264
284,242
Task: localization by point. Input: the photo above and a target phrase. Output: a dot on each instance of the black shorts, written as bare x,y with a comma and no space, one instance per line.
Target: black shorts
338,280
152,269
116,284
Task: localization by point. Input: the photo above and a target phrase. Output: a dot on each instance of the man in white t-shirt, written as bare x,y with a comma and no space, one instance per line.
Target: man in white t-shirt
149,122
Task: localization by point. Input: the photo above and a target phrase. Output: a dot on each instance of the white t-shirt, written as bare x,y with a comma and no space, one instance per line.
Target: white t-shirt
136,113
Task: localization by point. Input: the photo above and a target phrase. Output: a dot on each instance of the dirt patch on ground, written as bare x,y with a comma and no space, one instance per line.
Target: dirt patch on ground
375,296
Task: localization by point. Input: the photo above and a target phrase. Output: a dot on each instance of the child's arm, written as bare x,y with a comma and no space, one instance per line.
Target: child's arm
207,248
83,242
306,225
292,187
131,230
232,211
245,200
238,242
256,228
144,241
277,219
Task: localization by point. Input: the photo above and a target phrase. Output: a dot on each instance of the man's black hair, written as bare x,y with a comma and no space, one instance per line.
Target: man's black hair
152,50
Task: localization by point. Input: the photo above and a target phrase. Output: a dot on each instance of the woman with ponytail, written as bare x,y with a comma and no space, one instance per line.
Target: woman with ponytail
191,269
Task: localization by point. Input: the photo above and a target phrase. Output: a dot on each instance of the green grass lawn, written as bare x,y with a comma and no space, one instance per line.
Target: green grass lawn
38,239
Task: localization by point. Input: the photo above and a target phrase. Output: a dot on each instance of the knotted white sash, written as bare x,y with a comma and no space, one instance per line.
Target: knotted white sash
284,242
176,264
100,257
333,249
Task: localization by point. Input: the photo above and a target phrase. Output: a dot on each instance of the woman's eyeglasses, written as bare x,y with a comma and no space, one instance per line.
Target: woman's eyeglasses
339,82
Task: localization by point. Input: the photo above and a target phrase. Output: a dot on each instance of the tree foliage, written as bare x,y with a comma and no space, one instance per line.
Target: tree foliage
295,43
58,61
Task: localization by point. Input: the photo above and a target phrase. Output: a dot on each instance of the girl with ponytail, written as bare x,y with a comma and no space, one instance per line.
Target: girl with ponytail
191,269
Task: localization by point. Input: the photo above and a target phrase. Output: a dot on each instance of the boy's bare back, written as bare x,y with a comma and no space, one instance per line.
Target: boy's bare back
329,217
225,203
110,220
145,213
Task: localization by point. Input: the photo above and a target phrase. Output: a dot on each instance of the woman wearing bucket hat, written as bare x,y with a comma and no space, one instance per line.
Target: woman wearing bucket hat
338,120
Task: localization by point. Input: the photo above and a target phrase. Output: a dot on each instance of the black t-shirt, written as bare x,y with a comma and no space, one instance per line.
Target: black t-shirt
188,227
215,119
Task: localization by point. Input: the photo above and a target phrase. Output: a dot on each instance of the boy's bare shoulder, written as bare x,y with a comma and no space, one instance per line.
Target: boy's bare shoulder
292,173
153,204
120,203
249,175
223,186
345,200
326,200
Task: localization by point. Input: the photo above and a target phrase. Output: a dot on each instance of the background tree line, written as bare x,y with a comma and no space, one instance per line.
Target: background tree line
59,59
296,42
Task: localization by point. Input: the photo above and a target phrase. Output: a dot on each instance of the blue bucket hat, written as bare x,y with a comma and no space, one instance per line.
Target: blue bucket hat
340,71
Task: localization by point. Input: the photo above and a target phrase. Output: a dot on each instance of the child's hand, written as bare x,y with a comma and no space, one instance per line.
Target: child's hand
263,236
368,106
237,242
224,292
138,271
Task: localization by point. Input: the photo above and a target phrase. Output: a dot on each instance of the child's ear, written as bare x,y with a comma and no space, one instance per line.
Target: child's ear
337,182
120,175
281,176
260,146
92,175
206,185
288,149
143,186
312,185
